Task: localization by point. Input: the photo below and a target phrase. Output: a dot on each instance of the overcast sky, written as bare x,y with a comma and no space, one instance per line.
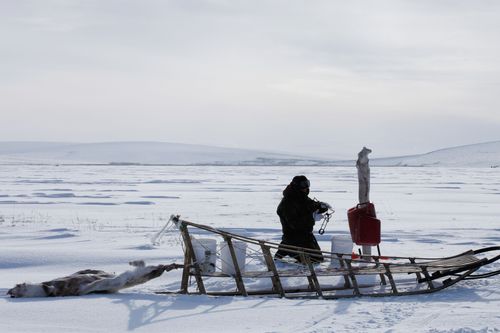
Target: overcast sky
308,77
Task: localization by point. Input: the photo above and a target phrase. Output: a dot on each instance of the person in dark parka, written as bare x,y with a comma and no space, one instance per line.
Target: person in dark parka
296,211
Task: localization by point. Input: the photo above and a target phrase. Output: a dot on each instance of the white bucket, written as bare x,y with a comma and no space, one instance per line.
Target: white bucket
205,251
240,249
340,244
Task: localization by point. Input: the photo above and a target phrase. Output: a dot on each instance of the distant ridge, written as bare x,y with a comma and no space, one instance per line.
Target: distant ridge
475,155
160,153
156,153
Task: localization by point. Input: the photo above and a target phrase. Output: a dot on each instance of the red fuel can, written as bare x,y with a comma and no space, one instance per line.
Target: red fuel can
364,225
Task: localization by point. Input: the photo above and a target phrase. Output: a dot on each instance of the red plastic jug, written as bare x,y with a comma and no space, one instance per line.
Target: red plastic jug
364,225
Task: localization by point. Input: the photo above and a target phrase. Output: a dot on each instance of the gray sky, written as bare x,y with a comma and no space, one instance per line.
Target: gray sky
308,77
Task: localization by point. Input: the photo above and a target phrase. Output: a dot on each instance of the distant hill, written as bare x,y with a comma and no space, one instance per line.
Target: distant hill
142,153
475,155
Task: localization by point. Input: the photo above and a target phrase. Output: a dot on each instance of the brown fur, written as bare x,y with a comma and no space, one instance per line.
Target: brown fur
91,281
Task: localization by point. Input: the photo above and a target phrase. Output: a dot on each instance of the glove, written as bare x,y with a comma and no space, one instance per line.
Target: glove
323,207
317,216
327,205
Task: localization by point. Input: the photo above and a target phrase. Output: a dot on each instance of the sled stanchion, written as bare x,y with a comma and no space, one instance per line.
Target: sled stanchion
353,278
427,277
391,279
412,260
342,264
382,277
237,276
185,272
187,263
192,256
271,267
313,277
312,285
310,280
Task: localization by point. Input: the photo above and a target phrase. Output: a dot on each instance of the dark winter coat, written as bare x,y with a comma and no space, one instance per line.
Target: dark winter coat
296,213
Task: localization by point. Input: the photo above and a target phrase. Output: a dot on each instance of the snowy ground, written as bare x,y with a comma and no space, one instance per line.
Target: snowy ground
55,220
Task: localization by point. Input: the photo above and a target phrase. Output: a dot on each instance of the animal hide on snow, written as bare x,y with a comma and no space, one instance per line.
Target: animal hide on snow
91,281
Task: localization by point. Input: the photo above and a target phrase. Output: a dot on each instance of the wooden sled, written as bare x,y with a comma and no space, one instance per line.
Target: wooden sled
340,275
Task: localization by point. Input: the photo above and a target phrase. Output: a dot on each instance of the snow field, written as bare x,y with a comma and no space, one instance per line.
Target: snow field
55,220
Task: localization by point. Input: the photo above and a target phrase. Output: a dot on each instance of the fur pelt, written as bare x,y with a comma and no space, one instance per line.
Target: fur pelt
91,281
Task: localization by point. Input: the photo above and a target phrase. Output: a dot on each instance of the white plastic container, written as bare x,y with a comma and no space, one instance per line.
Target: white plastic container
340,244
205,251
240,249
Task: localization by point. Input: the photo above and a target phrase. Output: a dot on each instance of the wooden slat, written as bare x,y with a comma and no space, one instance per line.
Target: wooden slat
342,271
185,271
192,255
312,278
367,270
412,260
271,267
391,278
342,264
427,277
353,278
237,276
382,276
450,262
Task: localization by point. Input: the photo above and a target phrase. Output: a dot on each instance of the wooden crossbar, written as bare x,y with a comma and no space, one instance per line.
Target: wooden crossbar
363,269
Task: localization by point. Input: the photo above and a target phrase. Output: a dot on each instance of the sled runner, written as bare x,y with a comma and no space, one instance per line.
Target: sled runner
341,275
